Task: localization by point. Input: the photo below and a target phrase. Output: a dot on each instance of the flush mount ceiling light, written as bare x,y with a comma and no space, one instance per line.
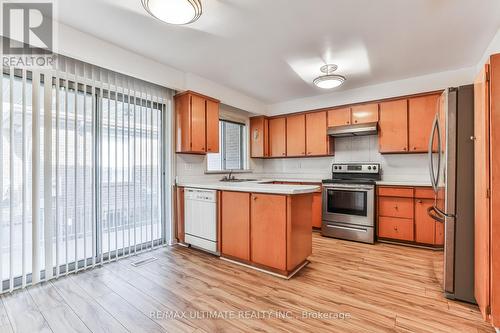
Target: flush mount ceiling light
329,80
174,11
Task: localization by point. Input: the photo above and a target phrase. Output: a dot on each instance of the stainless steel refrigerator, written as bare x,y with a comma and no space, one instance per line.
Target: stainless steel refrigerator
451,168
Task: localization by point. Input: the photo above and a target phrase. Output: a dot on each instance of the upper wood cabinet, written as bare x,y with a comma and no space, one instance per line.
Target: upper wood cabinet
339,117
277,137
212,126
197,123
316,140
296,135
366,113
393,127
421,113
259,137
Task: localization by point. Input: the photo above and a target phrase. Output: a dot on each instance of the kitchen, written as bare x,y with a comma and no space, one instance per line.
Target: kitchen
239,166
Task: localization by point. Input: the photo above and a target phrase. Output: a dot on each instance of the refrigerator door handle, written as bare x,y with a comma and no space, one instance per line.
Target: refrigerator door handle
438,210
434,180
434,214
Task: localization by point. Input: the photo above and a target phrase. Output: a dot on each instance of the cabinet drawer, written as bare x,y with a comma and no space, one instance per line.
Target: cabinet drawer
396,207
395,228
403,192
424,193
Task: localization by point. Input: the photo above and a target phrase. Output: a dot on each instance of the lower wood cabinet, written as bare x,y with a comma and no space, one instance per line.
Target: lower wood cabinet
271,231
402,216
268,231
396,228
236,227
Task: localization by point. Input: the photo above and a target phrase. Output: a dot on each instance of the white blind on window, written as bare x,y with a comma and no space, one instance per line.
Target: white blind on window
82,169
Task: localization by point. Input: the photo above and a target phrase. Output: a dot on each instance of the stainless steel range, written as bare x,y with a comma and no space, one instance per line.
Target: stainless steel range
349,202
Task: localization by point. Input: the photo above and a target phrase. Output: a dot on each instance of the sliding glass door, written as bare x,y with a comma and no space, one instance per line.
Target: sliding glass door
130,184
81,173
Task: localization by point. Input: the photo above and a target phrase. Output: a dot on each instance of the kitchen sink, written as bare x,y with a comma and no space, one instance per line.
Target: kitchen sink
237,180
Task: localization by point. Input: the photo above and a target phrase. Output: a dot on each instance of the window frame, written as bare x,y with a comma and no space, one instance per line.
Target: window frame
222,149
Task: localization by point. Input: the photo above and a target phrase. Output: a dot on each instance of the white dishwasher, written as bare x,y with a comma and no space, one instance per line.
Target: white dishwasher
200,218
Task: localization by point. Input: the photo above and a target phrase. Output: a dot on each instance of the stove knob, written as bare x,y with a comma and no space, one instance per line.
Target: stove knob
335,167
369,168
374,167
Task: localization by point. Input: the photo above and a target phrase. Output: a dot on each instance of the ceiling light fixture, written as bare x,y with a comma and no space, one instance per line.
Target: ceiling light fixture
329,80
174,11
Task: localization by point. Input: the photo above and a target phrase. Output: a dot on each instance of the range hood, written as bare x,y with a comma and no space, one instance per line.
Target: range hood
354,130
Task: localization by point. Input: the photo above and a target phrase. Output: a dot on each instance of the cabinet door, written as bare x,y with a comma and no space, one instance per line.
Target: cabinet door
481,187
212,127
421,113
182,123
198,125
236,225
393,125
439,234
316,134
339,117
317,209
277,137
396,207
268,230
425,226
395,228
362,114
259,146
296,135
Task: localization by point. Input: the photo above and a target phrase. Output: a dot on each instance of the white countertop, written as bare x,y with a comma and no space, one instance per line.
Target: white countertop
261,186
404,183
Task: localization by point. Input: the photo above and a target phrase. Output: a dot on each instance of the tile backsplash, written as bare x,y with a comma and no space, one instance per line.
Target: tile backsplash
395,167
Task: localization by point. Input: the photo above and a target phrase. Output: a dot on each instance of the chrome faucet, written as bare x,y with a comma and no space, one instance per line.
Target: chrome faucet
229,177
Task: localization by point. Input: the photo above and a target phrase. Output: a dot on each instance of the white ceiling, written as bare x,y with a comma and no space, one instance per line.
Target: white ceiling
272,49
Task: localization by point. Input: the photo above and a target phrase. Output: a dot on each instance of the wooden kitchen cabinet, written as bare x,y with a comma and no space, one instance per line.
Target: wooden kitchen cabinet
316,134
179,214
487,190
395,228
197,123
402,216
268,230
339,117
296,140
212,119
259,137
396,207
366,113
421,113
236,225
277,137
317,210
393,127
425,226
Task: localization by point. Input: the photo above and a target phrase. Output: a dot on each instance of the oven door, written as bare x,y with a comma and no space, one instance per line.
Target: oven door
349,204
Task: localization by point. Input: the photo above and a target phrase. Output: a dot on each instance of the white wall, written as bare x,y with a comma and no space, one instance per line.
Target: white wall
493,47
395,167
85,47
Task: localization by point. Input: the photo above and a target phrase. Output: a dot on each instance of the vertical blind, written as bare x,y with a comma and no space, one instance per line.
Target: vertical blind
81,177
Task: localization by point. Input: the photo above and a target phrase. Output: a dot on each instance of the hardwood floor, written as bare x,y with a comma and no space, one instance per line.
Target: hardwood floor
376,288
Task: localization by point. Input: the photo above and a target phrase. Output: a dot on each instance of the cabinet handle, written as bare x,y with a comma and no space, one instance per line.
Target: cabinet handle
355,121
347,122
396,228
414,148
473,138
283,154
404,148
419,201
254,198
396,207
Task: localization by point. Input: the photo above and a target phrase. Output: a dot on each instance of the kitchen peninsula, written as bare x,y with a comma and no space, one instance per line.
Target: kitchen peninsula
261,225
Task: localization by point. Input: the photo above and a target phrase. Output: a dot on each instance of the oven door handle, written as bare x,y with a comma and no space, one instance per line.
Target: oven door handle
363,189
